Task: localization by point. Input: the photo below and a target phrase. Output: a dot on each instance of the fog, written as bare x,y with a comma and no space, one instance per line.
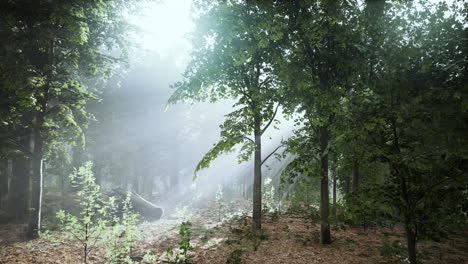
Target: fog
142,144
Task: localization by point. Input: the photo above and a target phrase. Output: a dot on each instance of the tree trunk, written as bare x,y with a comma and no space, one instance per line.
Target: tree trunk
355,176
37,177
411,242
334,188
325,236
257,185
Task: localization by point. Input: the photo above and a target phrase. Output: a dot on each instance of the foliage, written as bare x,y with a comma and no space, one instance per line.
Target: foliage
47,235
392,251
51,54
411,114
123,232
226,66
235,257
183,255
299,182
100,219
232,59
149,257
367,208
89,226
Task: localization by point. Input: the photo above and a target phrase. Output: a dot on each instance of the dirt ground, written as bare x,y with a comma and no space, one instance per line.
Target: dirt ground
286,239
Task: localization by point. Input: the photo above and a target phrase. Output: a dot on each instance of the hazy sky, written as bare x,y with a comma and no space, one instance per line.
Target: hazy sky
165,26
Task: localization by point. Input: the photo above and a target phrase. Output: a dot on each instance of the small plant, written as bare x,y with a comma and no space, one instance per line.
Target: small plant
275,216
149,257
91,222
219,201
235,257
183,254
392,251
47,235
256,238
121,236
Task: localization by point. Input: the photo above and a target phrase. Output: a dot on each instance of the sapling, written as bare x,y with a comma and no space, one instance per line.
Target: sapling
183,252
89,225
184,245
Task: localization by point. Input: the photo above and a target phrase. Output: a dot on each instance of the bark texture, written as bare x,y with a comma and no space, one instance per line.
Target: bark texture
325,235
257,185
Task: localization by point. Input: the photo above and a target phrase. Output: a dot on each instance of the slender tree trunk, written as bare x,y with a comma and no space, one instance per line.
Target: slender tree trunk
410,228
356,176
334,188
411,242
325,236
37,177
257,185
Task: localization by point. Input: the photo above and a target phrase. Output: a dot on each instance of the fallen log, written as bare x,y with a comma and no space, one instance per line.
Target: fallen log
145,208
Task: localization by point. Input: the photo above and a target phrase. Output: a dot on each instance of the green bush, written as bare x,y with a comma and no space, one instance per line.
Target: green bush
366,208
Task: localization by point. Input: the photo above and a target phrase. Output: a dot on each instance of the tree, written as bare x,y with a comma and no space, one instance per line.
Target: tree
233,58
319,69
412,114
50,48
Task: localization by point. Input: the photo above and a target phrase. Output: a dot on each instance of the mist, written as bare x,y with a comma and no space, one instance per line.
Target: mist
183,131
146,141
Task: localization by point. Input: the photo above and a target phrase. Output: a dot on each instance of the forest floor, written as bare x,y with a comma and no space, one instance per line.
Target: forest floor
286,239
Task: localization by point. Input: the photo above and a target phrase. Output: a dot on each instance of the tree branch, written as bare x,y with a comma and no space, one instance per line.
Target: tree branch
269,155
271,120
264,82
249,139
